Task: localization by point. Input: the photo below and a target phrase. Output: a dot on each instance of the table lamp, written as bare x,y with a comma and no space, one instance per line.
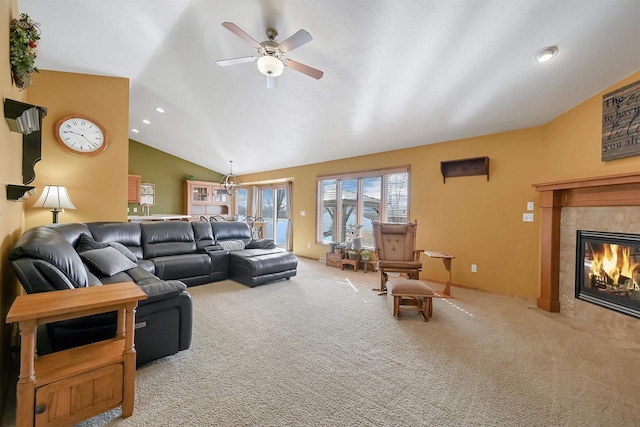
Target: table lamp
56,197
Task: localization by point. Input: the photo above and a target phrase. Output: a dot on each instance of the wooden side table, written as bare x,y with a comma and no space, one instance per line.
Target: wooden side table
446,259
348,261
68,386
368,264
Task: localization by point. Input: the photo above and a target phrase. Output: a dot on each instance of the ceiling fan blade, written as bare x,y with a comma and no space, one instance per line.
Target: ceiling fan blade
234,61
304,69
296,40
238,32
272,82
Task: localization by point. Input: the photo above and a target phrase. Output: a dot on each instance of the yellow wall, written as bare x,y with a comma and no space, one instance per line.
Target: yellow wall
573,142
479,222
11,213
97,185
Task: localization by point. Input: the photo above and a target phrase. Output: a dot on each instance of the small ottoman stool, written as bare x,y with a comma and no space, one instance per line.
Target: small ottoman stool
411,294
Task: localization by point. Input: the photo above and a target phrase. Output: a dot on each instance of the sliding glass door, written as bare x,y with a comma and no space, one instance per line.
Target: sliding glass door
274,212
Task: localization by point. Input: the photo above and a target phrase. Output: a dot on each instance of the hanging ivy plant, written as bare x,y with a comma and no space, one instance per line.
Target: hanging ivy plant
23,50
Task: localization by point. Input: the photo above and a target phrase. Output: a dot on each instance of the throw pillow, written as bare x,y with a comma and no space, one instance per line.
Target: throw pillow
261,244
232,245
124,251
107,261
87,243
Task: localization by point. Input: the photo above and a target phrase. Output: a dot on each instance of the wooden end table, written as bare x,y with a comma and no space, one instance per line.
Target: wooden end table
446,259
347,261
68,386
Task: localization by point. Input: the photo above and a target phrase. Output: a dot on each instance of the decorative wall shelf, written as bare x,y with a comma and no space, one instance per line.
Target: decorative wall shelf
27,120
19,193
465,167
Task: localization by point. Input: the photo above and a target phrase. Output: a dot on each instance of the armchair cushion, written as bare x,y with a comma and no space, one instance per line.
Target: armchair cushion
399,264
107,261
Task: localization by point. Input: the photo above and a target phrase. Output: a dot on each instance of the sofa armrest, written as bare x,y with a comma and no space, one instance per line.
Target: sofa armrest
161,289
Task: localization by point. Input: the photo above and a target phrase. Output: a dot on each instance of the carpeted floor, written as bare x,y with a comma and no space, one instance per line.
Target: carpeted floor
323,350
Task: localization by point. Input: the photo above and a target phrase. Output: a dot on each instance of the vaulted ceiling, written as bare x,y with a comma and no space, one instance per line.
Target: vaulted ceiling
397,73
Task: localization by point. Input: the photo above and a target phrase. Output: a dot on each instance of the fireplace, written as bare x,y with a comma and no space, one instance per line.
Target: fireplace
608,270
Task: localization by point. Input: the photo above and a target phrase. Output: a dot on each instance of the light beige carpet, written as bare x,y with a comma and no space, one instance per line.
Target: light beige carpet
323,350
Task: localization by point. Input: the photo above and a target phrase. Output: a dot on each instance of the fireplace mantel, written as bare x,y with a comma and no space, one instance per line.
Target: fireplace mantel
612,190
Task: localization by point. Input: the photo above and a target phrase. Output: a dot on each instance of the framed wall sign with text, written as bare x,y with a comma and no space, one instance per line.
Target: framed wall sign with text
621,123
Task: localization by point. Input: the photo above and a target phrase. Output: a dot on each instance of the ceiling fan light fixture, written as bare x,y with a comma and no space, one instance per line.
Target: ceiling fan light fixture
546,54
270,66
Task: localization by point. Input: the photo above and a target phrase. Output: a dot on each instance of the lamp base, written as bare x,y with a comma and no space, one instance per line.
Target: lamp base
55,215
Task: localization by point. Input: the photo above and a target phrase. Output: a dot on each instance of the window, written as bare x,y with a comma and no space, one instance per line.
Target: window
348,200
241,203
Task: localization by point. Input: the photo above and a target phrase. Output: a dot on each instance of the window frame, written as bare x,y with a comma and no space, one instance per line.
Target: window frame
383,173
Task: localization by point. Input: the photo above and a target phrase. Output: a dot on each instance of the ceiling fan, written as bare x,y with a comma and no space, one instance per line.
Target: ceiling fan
271,54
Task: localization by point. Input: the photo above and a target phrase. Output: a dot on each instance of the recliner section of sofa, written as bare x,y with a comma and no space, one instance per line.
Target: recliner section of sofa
45,259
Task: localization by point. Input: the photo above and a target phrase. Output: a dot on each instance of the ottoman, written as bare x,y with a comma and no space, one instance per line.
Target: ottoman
410,294
253,267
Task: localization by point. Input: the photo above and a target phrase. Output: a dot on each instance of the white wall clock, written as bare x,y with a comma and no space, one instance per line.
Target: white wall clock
81,135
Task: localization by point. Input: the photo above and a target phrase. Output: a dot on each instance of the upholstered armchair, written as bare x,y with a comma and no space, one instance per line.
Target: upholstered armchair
395,246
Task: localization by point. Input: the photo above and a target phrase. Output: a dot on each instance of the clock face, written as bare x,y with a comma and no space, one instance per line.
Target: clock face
81,135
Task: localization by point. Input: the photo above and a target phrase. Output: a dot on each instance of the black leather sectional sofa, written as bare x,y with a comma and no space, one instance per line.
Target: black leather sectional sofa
163,258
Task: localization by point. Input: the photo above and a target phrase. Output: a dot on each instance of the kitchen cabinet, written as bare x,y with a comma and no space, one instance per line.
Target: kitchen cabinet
133,188
205,198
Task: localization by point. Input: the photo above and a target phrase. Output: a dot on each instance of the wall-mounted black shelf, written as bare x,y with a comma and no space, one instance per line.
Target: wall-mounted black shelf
465,167
19,193
27,120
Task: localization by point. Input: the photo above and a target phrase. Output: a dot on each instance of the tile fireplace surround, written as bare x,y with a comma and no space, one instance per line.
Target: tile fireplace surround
609,203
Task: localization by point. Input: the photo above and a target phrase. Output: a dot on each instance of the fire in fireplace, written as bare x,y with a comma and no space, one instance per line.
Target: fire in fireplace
607,270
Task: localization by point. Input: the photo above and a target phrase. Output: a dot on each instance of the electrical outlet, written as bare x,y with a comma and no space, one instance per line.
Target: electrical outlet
302,213
474,268
135,210
529,206
527,217
308,245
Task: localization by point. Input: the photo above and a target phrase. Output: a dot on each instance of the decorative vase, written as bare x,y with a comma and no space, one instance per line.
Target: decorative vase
365,257
353,255
357,243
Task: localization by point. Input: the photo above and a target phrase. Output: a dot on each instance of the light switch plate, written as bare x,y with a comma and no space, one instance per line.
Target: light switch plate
527,217
302,213
529,206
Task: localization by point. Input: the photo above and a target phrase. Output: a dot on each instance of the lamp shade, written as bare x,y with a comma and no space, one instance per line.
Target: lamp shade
54,196
270,66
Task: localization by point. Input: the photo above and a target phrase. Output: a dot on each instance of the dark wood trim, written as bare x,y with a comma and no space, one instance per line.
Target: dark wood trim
624,178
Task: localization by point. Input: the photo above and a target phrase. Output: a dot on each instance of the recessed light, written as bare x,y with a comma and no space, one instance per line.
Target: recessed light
159,110
135,130
146,122
546,54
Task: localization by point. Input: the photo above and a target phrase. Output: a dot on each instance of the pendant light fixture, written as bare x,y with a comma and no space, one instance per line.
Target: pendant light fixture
229,182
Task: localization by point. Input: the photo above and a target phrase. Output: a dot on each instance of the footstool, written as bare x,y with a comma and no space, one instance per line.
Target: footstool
410,294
